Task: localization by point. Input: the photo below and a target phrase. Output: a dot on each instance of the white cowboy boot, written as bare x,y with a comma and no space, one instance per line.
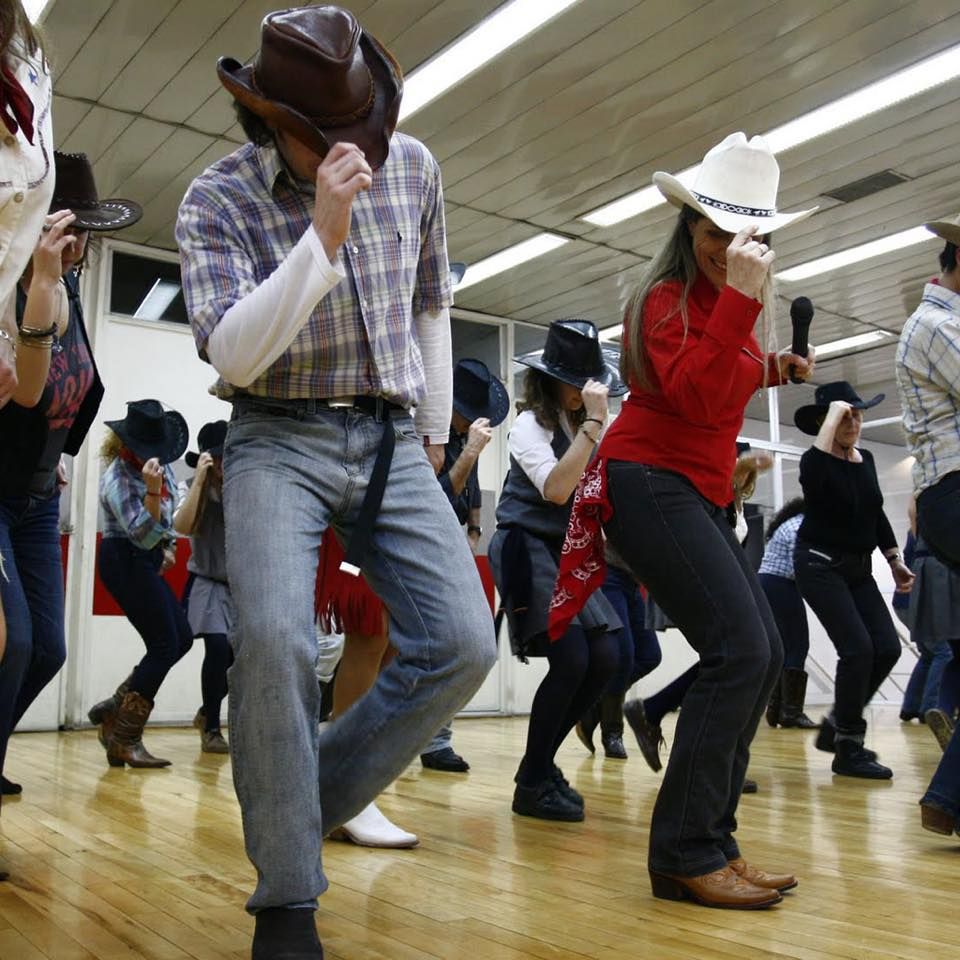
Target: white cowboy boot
370,828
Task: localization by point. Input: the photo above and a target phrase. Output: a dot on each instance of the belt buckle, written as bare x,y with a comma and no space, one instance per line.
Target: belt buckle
340,403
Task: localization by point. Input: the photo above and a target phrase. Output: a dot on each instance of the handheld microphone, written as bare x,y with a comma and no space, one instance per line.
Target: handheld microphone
801,313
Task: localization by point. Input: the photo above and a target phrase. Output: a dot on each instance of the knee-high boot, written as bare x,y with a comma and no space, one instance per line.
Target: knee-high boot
126,743
793,684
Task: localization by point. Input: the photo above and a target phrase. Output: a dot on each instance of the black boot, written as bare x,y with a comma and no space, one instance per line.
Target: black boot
773,706
827,738
545,802
851,760
611,726
586,725
286,934
649,737
793,686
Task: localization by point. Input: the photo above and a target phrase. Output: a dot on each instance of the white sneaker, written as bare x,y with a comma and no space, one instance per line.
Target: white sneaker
370,828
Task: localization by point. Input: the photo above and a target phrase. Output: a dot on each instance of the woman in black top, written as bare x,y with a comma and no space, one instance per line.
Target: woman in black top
843,523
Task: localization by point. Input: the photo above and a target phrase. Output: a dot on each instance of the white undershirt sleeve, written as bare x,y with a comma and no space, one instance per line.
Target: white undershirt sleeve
530,445
433,415
258,328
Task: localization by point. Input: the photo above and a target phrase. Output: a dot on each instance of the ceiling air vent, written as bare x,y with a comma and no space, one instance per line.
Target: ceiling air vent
866,187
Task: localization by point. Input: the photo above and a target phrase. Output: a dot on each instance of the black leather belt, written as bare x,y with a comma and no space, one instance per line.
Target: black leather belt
382,411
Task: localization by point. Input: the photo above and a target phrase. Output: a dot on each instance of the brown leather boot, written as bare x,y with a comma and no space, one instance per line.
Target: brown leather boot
125,744
104,713
721,888
760,878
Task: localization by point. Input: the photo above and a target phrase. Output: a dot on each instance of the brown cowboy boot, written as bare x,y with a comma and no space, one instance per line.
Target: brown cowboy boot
125,744
104,713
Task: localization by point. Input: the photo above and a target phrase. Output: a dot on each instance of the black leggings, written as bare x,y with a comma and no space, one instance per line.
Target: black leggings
217,660
133,578
580,669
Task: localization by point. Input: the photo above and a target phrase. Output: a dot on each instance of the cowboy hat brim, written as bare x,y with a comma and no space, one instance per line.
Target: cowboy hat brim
192,458
808,419
610,376
111,214
948,230
728,217
371,133
167,449
496,409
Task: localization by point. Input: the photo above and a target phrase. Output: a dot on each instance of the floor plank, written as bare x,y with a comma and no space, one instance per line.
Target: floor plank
149,865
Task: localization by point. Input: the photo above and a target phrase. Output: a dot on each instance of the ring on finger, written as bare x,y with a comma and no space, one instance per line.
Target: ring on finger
46,228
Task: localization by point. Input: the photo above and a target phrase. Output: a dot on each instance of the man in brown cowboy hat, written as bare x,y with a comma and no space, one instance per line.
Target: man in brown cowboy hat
316,278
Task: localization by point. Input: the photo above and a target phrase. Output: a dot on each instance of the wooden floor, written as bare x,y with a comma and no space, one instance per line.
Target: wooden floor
124,865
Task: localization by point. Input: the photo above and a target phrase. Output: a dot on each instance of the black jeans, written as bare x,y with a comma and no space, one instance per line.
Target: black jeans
133,578
786,603
681,547
842,593
938,518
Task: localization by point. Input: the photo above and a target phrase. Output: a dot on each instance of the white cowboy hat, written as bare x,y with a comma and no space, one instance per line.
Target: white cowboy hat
949,230
736,185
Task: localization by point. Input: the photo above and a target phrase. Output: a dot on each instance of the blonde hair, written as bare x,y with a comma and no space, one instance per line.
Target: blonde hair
110,448
676,261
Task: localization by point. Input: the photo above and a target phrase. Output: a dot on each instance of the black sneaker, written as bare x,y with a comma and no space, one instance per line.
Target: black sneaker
649,737
564,788
852,760
446,759
545,802
8,788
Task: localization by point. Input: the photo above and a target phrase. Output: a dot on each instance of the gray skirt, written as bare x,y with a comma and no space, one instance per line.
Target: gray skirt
934,615
210,607
527,613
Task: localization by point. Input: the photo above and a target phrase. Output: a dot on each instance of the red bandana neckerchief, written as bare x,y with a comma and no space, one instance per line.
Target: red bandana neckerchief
582,564
16,107
128,456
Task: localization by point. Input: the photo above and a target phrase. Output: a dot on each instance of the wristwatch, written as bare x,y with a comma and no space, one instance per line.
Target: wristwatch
473,528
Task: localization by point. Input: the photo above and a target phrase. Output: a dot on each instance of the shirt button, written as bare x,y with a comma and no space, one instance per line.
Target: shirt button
9,141
18,197
355,249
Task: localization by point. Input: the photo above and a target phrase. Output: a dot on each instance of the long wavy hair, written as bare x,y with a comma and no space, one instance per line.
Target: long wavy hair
676,261
788,511
15,25
541,396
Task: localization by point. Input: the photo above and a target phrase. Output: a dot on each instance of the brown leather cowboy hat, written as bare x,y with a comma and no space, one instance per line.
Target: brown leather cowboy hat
75,190
322,79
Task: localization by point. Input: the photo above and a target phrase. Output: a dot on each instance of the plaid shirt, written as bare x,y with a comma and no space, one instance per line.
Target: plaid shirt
778,557
928,381
122,489
242,217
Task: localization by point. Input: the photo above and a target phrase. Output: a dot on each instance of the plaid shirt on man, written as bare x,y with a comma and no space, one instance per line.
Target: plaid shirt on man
778,557
928,380
122,489
241,218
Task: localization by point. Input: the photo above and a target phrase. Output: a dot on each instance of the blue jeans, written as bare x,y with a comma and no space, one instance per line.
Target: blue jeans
32,603
683,549
923,691
639,647
286,479
442,739
944,788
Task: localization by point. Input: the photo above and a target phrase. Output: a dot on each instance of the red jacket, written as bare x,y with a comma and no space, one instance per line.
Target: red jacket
689,418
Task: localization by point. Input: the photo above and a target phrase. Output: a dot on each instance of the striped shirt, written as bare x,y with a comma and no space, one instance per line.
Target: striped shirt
928,381
244,215
778,557
122,489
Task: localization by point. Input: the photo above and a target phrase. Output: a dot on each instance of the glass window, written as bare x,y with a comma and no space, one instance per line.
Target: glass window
146,289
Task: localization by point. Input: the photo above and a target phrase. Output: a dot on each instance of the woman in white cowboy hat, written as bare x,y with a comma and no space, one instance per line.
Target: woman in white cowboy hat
55,402
562,416
660,486
137,493
843,523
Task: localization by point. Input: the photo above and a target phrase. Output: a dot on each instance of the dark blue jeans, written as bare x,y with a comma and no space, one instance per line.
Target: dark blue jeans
944,789
33,605
681,547
791,616
133,578
842,593
639,647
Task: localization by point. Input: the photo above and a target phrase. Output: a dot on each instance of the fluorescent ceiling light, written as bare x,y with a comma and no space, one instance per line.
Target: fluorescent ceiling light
850,343
157,300
511,257
875,248
498,32
36,9
878,96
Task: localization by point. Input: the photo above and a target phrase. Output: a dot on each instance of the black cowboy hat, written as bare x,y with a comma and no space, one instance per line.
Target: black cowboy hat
209,440
809,418
150,431
322,79
75,190
573,354
478,393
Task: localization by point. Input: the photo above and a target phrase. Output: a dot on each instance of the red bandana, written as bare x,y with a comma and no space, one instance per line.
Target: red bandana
16,107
